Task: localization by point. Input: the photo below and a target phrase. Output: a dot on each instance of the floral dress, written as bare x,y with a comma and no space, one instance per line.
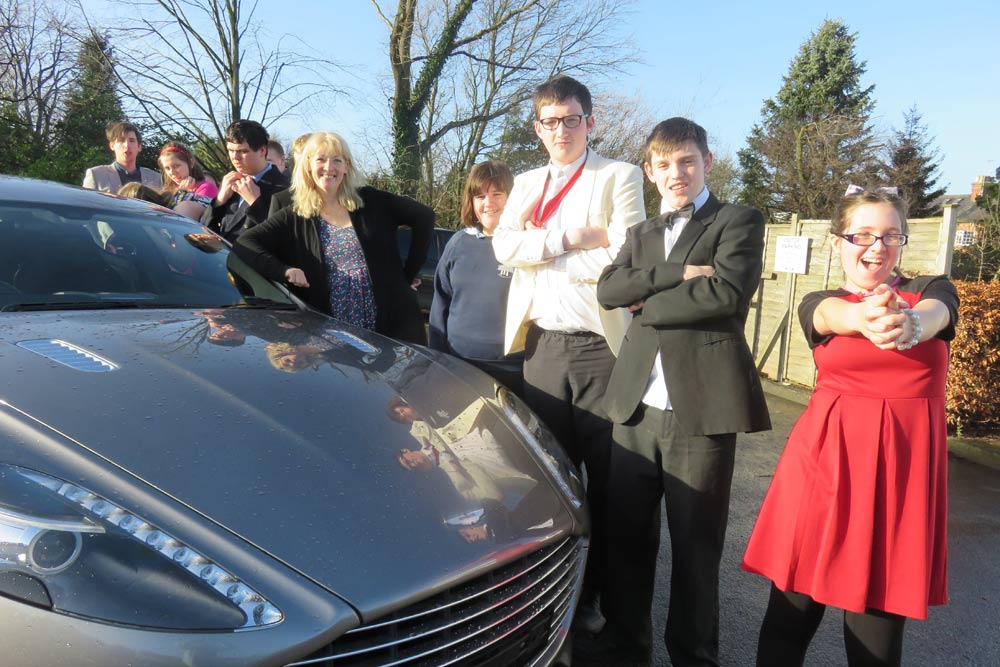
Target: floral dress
351,296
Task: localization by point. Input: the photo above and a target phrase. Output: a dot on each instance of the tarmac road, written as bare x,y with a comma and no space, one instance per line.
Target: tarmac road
965,632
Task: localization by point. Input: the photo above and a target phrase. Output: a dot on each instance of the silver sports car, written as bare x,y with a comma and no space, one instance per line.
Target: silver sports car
195,469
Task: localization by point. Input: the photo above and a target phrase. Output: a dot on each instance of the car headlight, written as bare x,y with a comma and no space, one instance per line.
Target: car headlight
543,444
65,548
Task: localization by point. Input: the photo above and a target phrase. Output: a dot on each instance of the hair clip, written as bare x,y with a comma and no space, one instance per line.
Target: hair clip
856,189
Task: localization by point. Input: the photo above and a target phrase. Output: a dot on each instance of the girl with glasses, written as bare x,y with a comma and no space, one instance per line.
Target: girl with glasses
855,516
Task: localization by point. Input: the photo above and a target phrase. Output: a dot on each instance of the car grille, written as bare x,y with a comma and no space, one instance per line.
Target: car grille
505,618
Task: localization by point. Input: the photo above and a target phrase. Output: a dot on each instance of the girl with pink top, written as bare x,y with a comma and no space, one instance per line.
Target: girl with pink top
185,181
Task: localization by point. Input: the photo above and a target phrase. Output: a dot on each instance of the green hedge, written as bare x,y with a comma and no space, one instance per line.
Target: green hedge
974,374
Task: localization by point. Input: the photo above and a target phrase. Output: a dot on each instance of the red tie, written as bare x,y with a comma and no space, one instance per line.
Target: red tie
540,215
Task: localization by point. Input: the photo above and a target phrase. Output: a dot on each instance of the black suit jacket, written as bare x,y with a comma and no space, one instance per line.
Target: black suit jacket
280,200
229,220
698,324
287,240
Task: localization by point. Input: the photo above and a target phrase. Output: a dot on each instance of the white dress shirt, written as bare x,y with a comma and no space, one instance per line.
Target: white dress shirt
558,304
656,394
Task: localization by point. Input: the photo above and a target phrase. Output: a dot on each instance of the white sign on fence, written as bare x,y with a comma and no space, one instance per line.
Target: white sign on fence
792,254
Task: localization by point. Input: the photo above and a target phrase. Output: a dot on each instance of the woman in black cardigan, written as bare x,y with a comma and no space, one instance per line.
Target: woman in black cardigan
336,245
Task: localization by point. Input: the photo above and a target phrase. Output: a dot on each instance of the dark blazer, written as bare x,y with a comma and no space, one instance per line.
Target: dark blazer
287,240
229,220
280,200
698,324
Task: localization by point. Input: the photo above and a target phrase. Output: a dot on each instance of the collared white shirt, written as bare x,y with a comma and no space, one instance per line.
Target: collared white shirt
656,394
556,303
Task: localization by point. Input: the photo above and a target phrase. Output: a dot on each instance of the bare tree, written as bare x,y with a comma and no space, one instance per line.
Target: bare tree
36,62
724,178
811,161
460,65
191,67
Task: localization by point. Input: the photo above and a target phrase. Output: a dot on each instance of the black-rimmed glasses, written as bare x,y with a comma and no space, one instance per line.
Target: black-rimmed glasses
868,239
571,122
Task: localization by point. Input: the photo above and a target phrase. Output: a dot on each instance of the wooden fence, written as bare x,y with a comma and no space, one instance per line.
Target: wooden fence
773,330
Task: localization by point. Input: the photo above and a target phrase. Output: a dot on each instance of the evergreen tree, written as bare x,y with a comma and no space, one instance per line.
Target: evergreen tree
91,104
519,146
912,166
814,137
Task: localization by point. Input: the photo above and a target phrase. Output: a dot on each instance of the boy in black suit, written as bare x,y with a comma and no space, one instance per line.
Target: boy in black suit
683,385
245,193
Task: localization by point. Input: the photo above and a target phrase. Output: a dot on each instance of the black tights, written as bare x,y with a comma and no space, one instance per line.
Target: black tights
874,638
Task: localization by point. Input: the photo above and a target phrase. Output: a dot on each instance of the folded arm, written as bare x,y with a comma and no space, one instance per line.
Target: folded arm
737,264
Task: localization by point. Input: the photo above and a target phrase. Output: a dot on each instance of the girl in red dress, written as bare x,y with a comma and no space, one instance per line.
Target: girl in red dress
856,514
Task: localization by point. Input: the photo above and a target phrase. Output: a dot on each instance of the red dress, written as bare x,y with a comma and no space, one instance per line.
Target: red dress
856,513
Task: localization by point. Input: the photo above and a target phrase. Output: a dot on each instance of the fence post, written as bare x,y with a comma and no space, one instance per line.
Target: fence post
791,283
946,239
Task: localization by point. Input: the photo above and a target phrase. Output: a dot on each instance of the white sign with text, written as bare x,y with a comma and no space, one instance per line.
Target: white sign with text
792,254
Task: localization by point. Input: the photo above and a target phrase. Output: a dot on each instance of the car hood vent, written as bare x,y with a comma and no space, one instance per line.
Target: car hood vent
68,354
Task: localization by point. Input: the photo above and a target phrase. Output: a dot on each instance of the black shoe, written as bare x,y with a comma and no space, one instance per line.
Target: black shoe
604,650
588,618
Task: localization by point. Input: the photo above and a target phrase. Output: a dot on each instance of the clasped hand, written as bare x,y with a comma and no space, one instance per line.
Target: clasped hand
240,184
882,320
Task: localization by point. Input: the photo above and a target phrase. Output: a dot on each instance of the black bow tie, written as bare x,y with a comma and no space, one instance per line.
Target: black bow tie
683,212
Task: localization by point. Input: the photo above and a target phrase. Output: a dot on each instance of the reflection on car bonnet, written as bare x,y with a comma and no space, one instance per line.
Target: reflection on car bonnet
354,341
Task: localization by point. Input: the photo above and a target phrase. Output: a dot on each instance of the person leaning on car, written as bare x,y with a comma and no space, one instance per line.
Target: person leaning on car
336,245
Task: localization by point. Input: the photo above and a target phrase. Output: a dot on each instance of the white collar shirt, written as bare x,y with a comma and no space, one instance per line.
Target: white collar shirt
557,304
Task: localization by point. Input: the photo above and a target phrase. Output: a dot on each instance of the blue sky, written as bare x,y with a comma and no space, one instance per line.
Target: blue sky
717,61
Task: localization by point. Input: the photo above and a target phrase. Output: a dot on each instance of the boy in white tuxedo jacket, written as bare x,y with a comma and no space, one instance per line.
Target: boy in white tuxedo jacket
563,223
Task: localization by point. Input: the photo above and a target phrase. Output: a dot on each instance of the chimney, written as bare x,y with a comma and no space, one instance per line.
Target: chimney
979,184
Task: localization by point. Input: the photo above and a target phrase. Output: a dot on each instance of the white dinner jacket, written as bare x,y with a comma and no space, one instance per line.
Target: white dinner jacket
104,178
608,194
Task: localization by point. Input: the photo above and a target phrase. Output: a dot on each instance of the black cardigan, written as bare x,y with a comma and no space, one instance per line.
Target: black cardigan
287,240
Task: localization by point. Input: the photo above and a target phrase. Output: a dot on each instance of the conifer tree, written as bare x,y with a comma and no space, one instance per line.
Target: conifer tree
91,103
814,136
912,166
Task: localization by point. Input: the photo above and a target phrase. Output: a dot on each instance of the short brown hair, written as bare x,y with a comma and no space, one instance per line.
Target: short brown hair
120,129
848,204
483,175
671,134
560,89
248,132
274,146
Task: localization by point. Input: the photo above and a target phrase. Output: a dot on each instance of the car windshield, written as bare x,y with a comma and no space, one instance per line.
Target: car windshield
61,257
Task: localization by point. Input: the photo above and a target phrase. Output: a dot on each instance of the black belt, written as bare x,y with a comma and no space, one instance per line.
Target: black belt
573,334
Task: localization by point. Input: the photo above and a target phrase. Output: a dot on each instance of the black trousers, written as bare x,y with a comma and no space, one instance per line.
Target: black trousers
651,460
565,378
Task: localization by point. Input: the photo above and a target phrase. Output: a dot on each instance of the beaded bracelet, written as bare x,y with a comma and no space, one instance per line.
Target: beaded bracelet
915,326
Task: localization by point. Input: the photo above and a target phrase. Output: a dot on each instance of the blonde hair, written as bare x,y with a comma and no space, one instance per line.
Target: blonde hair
145,193
307,197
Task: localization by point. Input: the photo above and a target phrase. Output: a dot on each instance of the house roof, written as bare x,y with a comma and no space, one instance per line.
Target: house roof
966,208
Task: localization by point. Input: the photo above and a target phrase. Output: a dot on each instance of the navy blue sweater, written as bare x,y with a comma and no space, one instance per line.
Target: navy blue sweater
470,299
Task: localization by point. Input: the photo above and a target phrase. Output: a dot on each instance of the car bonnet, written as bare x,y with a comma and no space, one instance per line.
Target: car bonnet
356,460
